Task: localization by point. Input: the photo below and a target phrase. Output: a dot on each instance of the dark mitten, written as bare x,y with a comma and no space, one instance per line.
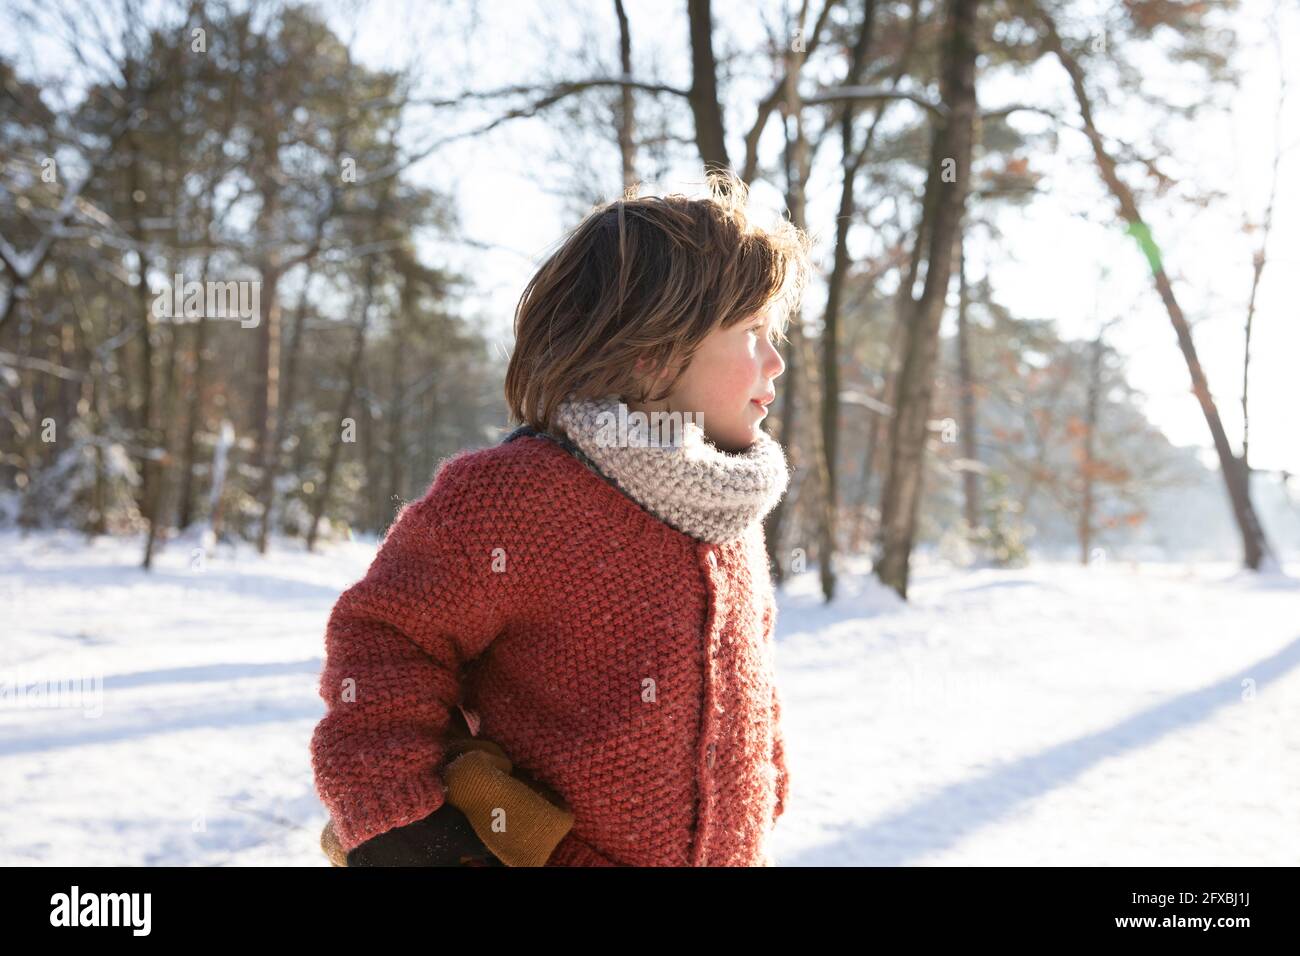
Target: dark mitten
443,838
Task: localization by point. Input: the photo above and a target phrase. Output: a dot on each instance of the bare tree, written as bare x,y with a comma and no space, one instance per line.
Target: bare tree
1260,258
966,376
20,267
703,95
851,162
353,374
1254,543
627,103
948,184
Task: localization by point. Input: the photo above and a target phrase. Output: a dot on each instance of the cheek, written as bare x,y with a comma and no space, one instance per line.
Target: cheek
723,377
732,380
741,380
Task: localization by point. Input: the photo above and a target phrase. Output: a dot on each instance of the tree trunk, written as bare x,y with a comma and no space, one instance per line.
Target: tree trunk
271,267
99,500
194,405
397,404
284,413
903,306
1254,543
796,172
349,391
948,182
773,524
850,162
193,422
878,433
166,437
377,514
268,357
709,136
970,480
216,494
1086,457
627,102
149,439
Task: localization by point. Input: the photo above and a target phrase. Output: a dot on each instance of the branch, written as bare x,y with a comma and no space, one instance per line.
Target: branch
548,93
839,94
10,360
777,97
554,95
1018,108
21,267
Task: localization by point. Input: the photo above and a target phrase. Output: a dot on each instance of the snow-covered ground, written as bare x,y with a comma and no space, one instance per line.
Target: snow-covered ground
1113,715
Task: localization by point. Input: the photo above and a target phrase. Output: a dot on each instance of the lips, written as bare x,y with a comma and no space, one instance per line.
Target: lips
765,400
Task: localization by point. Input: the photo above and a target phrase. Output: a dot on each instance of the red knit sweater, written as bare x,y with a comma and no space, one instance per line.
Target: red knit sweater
625,664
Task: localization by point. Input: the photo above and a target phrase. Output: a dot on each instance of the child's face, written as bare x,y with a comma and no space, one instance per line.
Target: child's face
728,381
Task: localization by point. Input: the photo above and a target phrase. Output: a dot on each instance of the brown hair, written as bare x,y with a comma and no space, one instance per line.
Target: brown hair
648,279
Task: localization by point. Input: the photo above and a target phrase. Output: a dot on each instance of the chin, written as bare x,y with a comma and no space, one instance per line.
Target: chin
735,445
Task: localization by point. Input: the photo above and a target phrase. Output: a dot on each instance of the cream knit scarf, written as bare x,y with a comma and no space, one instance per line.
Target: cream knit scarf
683,479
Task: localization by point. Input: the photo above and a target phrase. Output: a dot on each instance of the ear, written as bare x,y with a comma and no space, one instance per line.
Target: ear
643,369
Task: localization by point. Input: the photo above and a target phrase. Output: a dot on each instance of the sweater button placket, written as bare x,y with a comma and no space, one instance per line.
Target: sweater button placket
708,728
711,556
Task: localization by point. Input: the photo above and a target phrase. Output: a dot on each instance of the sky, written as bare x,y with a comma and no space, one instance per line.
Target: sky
1064,257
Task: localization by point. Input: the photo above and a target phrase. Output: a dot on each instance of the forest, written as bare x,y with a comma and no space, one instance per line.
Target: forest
238,298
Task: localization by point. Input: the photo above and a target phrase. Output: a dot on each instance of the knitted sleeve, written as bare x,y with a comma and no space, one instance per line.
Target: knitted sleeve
778,750
778,756
394,646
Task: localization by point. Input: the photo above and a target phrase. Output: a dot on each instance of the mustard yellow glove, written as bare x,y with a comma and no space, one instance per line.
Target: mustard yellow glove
535,818
329,842
521,824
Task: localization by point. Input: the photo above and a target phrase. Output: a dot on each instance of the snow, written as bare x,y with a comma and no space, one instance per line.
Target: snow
1114,715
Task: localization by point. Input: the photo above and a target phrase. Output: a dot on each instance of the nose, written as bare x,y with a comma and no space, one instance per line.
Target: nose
775,365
